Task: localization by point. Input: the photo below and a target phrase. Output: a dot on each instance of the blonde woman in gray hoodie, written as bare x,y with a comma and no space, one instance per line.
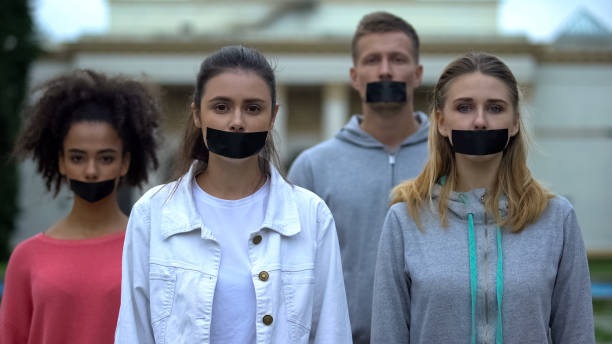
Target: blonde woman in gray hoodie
475,250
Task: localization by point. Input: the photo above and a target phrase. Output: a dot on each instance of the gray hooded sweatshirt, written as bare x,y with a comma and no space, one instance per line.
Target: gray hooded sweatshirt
422,284
354,173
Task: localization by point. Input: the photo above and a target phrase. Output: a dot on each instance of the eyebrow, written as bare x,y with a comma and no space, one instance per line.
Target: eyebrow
75,150
226,99
493,100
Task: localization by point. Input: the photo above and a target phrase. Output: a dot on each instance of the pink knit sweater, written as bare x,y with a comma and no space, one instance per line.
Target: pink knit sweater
62,291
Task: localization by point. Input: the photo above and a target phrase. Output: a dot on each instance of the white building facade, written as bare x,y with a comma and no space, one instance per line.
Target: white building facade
566,86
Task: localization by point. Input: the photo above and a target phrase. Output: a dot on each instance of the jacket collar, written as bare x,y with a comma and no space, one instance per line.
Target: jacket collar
179,214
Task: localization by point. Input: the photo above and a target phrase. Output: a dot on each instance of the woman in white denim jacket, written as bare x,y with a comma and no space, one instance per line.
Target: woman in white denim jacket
231,252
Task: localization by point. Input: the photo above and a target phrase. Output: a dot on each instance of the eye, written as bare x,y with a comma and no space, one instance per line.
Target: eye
75,159
221,107
368,60
464,108
108,159
496,108
253,109
399,59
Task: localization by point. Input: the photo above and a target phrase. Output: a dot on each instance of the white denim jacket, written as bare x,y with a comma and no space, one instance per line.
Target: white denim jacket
171,261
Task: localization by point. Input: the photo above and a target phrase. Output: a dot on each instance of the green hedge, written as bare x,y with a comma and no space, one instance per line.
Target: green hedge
17,51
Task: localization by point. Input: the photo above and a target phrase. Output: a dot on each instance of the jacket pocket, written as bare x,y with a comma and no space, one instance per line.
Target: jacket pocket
162,283
298,287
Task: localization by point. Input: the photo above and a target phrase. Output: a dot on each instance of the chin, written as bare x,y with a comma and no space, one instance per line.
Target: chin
387,106
479,158
237,161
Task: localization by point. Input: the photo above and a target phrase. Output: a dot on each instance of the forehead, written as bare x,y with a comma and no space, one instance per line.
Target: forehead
237,84
92,136
478,86
384,42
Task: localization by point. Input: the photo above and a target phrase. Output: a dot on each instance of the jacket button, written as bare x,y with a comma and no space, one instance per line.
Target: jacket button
257,239
267,319
264,276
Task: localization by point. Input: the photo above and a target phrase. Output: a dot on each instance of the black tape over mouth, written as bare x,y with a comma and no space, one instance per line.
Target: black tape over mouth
386,91
479,142
235,145
92,192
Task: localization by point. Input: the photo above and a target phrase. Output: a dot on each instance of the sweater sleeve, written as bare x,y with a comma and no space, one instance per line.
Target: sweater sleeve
300,172
16,307
330,318
134,323
571,318
391,301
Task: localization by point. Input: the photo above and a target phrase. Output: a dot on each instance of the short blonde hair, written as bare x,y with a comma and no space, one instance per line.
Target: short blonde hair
383,22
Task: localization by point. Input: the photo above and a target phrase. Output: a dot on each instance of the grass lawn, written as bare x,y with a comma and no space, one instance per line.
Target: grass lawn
601,271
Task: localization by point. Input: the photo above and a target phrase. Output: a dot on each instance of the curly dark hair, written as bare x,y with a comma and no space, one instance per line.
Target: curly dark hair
85,95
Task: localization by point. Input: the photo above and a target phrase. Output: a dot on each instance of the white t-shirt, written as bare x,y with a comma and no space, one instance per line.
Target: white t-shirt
232,222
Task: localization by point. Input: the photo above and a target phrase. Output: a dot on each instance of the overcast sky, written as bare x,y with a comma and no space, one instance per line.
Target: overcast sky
539,20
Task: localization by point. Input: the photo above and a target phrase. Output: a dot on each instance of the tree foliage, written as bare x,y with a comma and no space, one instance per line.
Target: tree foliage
17,52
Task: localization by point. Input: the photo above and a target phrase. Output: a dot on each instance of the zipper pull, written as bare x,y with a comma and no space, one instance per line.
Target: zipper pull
391,159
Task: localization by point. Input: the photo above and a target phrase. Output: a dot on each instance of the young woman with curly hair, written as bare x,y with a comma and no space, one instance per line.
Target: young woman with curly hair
475,250
90,133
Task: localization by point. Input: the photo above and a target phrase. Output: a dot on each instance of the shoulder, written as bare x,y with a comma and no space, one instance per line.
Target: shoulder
559,207
558,218
398,213
157,194
310,207
27,246
315,218
398,208
321,150
25,253
306,198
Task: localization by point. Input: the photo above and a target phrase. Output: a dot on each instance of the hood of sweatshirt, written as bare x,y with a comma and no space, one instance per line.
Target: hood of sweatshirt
353,134
460,204
467,209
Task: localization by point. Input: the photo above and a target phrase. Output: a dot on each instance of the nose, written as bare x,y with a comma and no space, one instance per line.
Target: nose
91,170
384,70
237,122
480,122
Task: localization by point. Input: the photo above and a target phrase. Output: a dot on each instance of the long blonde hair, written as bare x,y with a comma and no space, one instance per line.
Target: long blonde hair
527,198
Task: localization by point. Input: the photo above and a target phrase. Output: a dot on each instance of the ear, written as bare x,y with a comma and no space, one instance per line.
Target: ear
515,127
274,113
442,129
61,164
125,163
196,116
419,75
354,81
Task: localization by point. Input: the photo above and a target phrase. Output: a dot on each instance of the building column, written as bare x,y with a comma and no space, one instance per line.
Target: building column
335,109
280,124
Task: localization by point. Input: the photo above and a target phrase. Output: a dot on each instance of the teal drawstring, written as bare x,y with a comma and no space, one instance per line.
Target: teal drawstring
473,274
474,281
500,288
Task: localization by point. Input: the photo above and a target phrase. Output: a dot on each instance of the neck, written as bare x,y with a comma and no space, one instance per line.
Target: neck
389,126
474,173
91,220
231,180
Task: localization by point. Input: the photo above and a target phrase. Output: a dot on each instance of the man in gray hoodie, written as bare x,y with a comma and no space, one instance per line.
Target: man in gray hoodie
355,171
